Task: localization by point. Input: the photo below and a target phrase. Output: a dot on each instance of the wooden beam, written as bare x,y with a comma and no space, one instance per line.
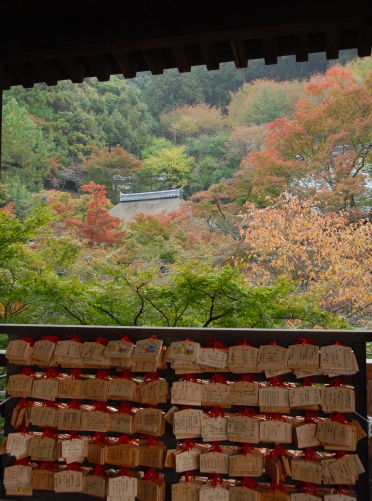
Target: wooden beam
47,71
80,45
364,42
270,50
5,79
1,129
73,68
302,48
239,55
127,64
154,61
210,56
22,74
99,67
181,58
332,44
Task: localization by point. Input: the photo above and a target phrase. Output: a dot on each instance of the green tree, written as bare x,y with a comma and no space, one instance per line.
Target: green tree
25,152
263,101
188,121
114,168
154,145
19,195
169,168
14,237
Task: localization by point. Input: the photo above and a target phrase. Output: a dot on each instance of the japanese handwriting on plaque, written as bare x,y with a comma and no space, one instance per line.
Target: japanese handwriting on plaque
214,462
185,491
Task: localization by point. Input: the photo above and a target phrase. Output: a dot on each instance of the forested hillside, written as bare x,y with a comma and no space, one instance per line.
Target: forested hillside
276,168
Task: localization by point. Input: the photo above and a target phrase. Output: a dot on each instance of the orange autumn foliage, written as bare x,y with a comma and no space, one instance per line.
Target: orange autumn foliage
324,150
320,253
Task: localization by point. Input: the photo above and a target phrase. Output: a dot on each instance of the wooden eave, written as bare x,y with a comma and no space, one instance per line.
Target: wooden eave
52,40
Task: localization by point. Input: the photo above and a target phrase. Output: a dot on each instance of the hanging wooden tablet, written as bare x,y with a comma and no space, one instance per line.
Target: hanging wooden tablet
122,387
43,478
336,396
97,449
20,385
20,415
153,390
149,421
17,443
17,478
346,466
187,423
43,350
304,432
122,420
303,355
214,489
214,425
187,456
276,429
151,487
146,355
246,490
244,427
93,352
119,349
72,385
19,351
244,391
96,483
307,492
121,452
69,416
68,353
334,430
214,355
247,464
45,387
183,350
214,461
327,477
69,480
216,392
275,492
272,357
187,392
74,448
97,418
307,396
242,358
95,388
44,414
308,467
43,447
151,452
337,359
277,465
274,397
187,489
124,486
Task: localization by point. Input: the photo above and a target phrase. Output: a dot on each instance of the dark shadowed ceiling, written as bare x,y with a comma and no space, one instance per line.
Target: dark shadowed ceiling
52,40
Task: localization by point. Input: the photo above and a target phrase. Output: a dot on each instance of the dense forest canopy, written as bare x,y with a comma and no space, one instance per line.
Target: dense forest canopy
275,162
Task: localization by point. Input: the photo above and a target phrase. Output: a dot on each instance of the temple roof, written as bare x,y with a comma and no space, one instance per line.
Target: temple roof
153,202
151,195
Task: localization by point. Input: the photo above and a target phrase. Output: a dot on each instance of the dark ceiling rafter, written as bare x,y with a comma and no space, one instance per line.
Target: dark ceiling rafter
52,40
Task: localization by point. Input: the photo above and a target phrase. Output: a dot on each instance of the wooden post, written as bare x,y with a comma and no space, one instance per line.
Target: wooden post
1,125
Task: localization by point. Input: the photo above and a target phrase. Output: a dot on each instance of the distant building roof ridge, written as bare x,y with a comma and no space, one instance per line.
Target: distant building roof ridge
151,195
